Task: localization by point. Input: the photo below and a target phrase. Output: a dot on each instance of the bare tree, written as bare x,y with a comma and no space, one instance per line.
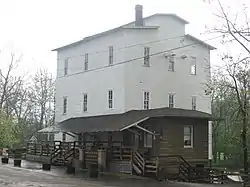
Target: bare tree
43,98
9,84
234,26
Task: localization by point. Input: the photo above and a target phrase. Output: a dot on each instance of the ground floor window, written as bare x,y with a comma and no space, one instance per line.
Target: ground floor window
148,140
188,136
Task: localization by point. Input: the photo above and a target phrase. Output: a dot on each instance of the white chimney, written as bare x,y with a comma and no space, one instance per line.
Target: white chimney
139,16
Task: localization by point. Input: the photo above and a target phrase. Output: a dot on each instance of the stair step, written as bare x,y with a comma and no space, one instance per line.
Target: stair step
151,166
138,171
150,171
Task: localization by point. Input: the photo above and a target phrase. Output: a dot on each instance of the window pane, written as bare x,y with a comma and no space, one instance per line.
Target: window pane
187,130
188,136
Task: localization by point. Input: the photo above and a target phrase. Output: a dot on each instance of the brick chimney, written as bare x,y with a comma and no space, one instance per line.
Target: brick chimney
139,16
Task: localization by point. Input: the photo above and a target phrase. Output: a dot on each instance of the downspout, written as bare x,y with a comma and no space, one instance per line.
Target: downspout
210,142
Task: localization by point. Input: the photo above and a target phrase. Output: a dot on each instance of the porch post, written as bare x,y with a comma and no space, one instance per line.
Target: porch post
210,142
101,159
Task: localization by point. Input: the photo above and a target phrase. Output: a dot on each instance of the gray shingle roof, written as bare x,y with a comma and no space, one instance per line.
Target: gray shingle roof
116,122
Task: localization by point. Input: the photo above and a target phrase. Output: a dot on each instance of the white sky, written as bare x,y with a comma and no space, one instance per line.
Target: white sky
34,27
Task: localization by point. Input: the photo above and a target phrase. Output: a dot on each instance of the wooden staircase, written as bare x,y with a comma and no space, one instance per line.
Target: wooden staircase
142,166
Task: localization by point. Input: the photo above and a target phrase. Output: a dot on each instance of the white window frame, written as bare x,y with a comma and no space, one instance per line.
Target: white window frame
193,68
146,99
85,102
86,62
171,63
110,99
194,102
66,66
148,137
171,101
191,136
111,55
146,56
65,105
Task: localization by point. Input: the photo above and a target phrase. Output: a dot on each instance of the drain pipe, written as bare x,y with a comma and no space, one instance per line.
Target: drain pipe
210,143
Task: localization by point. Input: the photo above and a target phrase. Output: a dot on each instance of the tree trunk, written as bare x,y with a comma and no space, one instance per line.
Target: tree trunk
244,144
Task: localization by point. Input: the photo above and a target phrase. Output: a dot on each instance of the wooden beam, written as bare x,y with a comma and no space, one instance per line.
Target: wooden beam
134,124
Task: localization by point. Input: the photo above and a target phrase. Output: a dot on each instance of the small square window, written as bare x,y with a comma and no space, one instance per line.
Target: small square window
64,137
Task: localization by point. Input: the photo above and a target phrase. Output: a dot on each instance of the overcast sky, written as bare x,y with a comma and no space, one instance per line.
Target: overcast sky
34,27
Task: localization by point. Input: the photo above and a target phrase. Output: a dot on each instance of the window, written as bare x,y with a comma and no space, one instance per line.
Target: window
146,56
111,53
86,62
171,100
171,63
193,102
64,137
146,100
188,136
85,102
66,65
193,66
51,137
148,140
65,105
110,99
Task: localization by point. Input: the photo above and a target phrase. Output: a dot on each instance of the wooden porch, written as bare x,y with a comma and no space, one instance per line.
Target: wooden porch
120,158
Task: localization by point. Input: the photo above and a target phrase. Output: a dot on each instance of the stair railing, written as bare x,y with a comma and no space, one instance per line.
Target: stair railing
139,161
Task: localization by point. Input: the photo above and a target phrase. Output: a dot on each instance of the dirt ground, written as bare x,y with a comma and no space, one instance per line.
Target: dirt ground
31,175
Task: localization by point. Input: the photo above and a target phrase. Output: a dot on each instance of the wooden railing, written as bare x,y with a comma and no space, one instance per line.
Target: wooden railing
121,153
138,163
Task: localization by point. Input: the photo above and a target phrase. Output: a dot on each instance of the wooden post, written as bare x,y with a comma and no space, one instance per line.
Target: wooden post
41,148
157,167
121,151
74,149
34,148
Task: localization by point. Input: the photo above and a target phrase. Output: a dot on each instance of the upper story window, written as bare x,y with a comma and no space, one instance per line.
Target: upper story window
171,100
110,99
111,55
146,100
86,61
85,102
193,66
171,63
146,56
193,102
66,66
65,103
188,136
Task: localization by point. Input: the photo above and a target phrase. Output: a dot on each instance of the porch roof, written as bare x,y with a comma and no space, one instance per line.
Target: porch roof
117,122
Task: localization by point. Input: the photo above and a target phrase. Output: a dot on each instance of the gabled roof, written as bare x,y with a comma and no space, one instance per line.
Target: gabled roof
86,39
117,122
200,41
